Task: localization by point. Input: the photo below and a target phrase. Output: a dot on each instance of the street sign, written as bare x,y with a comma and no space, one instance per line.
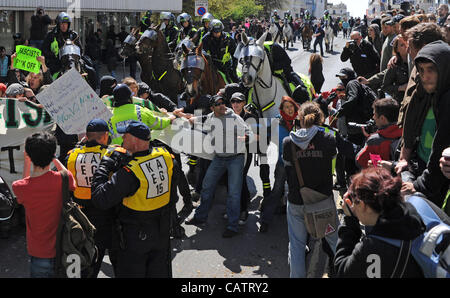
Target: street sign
201,7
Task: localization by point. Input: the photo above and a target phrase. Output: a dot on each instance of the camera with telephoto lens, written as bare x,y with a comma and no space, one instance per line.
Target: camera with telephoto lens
370,126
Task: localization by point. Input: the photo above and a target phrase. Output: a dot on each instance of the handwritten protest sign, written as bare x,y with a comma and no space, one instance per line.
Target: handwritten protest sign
72,103
26,59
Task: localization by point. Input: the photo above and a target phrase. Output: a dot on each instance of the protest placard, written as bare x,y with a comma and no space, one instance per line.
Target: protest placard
72,103
26,59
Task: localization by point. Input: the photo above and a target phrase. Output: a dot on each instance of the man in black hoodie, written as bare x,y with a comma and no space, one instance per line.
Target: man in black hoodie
432,63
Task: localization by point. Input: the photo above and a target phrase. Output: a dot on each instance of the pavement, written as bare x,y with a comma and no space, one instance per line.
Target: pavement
203,253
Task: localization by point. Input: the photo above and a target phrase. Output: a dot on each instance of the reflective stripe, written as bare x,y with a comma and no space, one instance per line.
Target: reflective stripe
271,104
162,75
138,113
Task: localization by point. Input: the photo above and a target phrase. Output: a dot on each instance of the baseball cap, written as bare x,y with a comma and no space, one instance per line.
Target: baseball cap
214,99
14,89
238,95
97,125
137,129
398,18
346,71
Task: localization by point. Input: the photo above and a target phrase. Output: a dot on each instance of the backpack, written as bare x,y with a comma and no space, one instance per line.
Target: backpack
75,236
7,201
431,250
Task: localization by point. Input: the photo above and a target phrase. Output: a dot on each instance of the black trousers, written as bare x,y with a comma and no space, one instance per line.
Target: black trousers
318,42
147,248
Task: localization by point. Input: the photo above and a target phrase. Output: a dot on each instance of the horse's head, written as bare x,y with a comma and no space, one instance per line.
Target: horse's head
129,44
149,40
252,58
192,69
70,56
180,51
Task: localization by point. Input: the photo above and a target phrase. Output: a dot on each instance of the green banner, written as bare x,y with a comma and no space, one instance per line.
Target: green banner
26,59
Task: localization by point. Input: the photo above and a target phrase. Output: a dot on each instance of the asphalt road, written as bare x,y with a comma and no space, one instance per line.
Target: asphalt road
203,253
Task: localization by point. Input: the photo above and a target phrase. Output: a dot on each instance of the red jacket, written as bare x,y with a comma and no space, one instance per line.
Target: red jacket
379,143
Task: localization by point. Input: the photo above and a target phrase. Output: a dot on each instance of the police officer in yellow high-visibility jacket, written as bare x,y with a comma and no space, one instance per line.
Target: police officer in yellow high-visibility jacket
124,111
82,162
143,190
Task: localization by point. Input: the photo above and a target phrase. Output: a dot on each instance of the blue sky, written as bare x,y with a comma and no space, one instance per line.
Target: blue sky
357,8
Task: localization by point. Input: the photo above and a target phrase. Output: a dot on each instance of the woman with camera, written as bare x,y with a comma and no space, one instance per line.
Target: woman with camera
374,200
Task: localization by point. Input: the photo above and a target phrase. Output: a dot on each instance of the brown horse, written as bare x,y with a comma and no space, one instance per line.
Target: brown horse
201,77
307,33
156,62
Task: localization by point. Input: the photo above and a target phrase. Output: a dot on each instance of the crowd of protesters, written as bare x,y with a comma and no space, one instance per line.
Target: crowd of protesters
377,137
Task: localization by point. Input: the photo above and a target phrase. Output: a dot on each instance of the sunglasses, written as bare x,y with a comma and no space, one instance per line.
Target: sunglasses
340,89
217,104
235,101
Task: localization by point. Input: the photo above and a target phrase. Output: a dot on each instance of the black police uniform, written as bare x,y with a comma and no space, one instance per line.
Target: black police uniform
145,240
217,48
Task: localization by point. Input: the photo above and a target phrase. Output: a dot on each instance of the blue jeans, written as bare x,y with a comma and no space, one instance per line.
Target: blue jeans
297,240
42,268
271,202
235,167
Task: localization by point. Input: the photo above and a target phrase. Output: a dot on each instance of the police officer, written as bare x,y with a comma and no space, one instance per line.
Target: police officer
288,16
281,67
221,47
206,20
142,191
275,16
327,18
146,22
56,39
82,162
170,30
124,111
186,27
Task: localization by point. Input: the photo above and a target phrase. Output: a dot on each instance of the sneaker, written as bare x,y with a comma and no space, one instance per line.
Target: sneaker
229,233
194,222
263,228
243,218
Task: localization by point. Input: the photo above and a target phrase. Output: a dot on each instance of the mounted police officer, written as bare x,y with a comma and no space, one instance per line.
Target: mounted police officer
206,20
170,30
327,18
290,19
146,22
275,16
281,67
186,27
142,190
221,47
56,39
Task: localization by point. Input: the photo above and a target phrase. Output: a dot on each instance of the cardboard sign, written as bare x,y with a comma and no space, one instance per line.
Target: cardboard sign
72,103
26,59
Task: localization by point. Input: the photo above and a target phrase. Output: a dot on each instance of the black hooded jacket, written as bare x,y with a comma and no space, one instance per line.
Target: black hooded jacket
356,257
432,182
107,84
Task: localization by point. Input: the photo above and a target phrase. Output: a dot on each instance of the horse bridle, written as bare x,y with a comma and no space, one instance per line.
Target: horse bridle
257,68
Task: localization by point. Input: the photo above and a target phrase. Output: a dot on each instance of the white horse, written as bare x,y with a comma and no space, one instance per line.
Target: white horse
288,34
329,37
276,34
266,90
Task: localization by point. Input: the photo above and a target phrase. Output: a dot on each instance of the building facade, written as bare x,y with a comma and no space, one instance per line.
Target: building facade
315,7
87,16
338,11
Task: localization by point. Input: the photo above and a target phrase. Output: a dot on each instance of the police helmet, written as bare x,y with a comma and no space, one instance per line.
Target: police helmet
165,15
307,12
63,17
275,11
326,12
288,12
184,17
207,17
216,26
